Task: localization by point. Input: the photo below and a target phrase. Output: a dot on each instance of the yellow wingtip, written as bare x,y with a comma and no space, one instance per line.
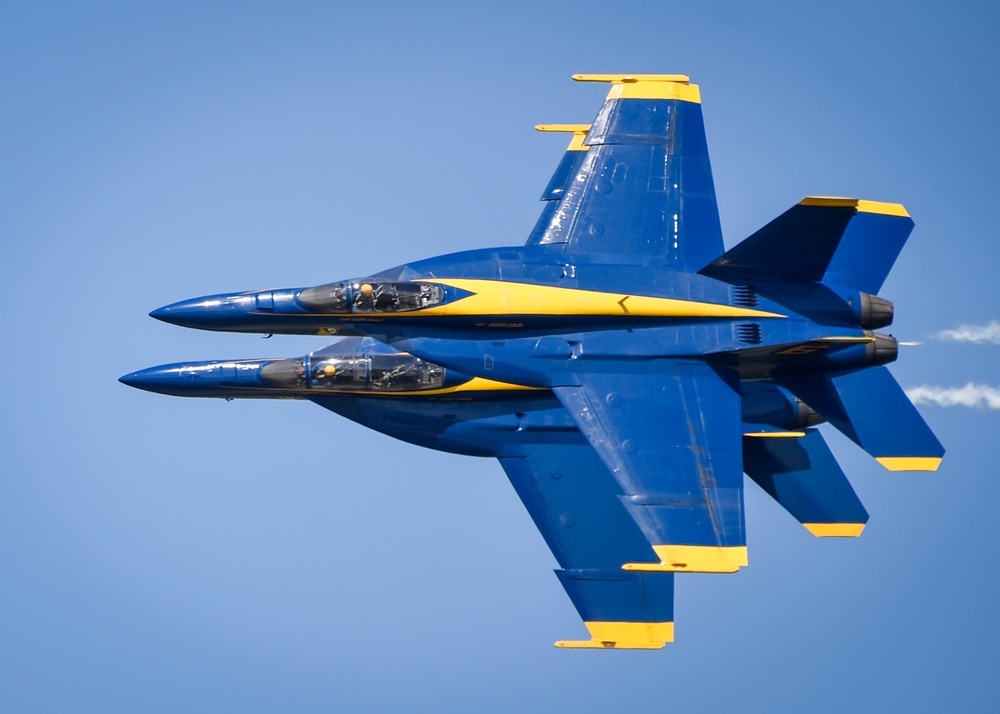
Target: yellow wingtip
647,86
623,636
693,559
632,78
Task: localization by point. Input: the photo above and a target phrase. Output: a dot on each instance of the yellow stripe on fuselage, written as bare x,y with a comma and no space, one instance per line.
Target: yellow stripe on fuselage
863,206
476,384
499,298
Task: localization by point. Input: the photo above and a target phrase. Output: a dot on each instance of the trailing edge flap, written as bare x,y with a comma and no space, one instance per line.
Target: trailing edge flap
672,439
806,480
846,242
871,409
644,187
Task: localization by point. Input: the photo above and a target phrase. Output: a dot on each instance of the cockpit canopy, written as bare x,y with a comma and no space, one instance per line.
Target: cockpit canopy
351,296
355,373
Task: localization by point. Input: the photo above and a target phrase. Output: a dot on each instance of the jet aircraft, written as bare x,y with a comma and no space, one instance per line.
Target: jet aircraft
624,368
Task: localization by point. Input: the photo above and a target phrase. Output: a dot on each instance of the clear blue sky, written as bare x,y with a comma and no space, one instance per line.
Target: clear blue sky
167,555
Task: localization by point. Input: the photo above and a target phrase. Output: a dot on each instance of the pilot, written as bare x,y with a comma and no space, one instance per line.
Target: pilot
364,297
324,374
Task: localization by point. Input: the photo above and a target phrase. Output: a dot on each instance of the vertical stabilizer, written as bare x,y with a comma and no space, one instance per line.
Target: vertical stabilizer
846,242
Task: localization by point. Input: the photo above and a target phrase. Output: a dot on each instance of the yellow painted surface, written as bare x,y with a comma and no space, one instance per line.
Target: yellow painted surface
863,206
910,463
775,434
647,86
888,209
624,636
835,530
476,384
579,132
631,78
694,559
863,339
500,298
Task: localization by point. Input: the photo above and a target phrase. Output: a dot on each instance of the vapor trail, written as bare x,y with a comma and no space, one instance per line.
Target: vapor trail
976,334
971,395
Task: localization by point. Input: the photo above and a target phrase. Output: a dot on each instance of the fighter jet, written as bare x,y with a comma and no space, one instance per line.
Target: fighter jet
624,368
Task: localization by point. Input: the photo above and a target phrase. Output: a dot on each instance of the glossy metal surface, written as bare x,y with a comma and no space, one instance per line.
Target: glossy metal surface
624,368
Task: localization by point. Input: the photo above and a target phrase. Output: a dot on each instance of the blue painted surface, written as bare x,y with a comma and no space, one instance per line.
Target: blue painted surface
830,245
804,477
653,419
164,555
870,408
644,189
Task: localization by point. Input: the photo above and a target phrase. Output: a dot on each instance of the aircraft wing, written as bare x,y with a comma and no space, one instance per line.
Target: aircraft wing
641,183
575,504
670,432
546,230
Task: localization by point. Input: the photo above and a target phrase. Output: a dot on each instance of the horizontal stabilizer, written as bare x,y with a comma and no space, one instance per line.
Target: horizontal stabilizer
621,610
871,409
806,480
835,241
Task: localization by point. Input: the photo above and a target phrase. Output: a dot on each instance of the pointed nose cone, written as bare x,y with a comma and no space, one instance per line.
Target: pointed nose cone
235,378
166,379
164,313
259,311
214,312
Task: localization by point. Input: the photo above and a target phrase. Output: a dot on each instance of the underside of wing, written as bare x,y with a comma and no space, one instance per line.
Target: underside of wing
643,188
574,501
672,437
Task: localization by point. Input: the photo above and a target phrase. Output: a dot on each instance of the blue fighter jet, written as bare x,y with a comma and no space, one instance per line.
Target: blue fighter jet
624,368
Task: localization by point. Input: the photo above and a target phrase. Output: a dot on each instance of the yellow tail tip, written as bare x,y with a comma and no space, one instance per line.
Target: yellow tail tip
910,463
835,530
